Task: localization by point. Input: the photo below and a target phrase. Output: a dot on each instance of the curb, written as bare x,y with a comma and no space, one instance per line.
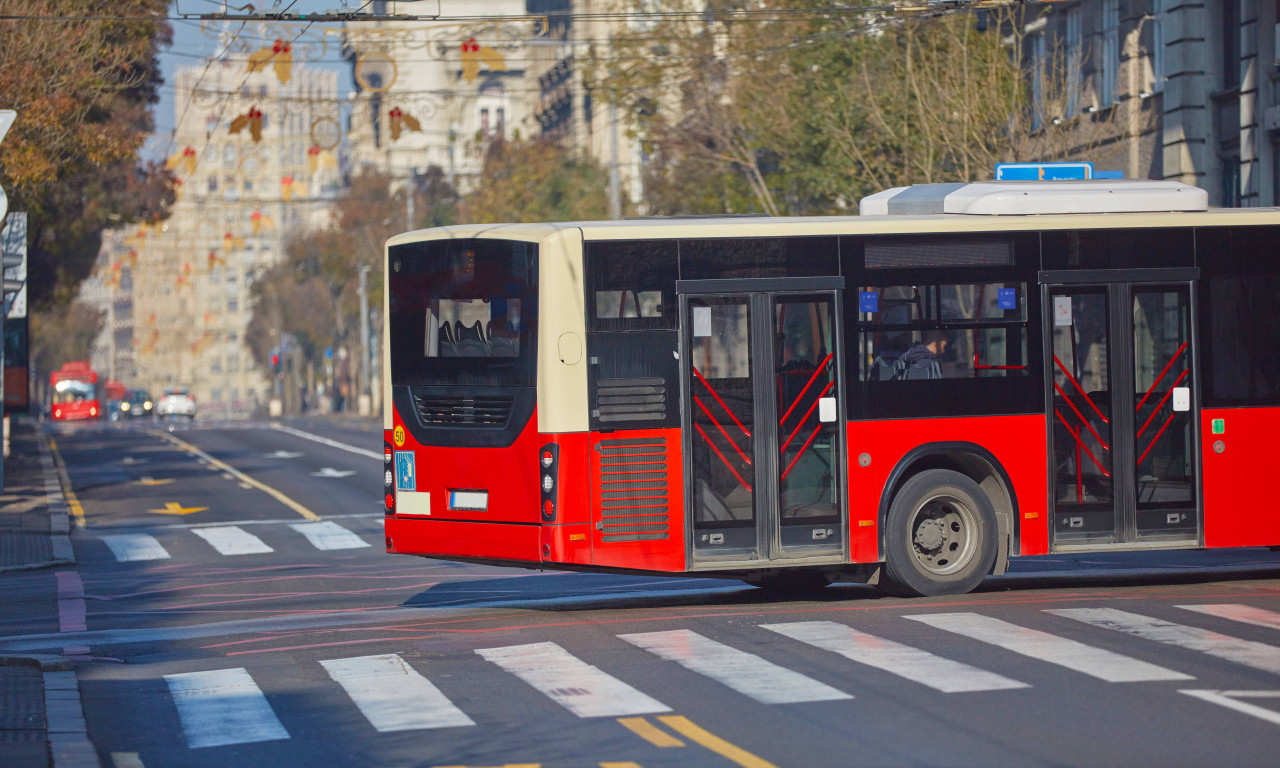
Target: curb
66,732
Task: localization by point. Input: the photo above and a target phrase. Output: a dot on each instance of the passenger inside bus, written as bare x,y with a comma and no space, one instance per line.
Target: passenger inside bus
920,361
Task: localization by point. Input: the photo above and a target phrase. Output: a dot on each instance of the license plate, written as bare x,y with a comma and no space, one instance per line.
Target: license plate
469,501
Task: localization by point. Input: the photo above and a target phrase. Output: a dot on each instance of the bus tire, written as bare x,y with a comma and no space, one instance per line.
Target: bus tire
940,536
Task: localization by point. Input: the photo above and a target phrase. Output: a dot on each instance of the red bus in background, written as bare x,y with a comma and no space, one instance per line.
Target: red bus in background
75,392
960,375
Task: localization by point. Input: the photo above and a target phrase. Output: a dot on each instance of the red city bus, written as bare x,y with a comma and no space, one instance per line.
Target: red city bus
75,392
960,375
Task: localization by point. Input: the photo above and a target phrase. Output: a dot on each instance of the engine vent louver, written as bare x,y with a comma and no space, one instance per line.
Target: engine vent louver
480,411
631,400
633,493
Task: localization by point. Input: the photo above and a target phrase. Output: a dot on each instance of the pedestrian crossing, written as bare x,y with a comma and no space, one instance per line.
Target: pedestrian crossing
232,540
231,706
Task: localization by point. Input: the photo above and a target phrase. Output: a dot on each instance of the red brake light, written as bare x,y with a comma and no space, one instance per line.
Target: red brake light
391,501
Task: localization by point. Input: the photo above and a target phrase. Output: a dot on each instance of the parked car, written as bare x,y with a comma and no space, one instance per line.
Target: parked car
176,401
137,403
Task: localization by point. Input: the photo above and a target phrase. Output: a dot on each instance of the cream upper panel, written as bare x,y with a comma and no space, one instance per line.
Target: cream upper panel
763,226
562,334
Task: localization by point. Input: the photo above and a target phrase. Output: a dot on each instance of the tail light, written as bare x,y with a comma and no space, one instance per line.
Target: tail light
388,478
549,471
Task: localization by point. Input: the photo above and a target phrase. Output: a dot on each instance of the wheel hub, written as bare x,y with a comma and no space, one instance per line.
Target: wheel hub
930,535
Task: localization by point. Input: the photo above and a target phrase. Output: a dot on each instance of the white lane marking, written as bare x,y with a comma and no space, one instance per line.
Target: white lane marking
326,441
230,540
1246,652
331,472
895,658
282,454
221,707
392,695
329,535
1228,699
128,547
1245,614
744,672
572,683
1043,646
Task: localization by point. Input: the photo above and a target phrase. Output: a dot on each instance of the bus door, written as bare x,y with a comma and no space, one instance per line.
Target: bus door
1124,406
763,421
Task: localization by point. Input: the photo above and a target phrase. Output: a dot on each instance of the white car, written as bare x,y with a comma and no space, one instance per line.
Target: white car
176,401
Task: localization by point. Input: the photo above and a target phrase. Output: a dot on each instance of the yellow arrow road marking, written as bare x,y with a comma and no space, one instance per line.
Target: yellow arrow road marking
242,477
153,481
174,508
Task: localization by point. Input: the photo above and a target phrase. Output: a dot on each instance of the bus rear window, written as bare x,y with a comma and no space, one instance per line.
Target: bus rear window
462,312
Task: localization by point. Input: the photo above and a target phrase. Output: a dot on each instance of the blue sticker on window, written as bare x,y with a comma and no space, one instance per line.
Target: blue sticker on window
1008,298
405,474
868,301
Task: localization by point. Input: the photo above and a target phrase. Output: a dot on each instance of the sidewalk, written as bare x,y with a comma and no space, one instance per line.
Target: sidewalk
41,718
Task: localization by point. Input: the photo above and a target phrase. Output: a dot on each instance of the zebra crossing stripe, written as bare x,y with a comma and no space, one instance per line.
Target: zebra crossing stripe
232,540
1097,662
1245,614
1246,652
895,658
128,547
584,690
221,707
745,673
329,535
392,695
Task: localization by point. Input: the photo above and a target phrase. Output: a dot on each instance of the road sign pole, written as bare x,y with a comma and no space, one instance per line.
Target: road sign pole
7,116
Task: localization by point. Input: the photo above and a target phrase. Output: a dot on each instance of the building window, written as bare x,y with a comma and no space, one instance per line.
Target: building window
233,306
1230,44
1110,53
484,120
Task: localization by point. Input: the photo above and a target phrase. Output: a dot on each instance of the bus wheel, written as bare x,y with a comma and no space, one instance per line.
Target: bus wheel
940,538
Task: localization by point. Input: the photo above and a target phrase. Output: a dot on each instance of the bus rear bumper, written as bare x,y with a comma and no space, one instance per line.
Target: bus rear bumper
463,539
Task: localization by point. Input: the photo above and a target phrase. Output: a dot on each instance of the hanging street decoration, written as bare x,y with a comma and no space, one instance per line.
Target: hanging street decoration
290,187
259,220
401,120
184,161
279,54
473,54
318,159
252,119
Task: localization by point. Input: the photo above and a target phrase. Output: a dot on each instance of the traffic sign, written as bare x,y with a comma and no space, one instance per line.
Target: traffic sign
1043,171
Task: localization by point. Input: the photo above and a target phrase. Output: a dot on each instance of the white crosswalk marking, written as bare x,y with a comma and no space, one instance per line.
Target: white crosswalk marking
1246,652
1097,662
392,695
232,540
221,707
744,672
1246,614
128,547
575,685
329,535
903,660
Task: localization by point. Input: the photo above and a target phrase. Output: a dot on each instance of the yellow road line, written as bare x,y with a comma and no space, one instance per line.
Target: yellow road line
77,511
621,765
242,477
650,732
686,728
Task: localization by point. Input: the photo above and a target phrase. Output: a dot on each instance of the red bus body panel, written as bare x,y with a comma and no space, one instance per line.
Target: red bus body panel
1234,513
507,530
613,550
1017,442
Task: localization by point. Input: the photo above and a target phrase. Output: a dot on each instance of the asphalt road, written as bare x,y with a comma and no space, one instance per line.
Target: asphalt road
240,611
